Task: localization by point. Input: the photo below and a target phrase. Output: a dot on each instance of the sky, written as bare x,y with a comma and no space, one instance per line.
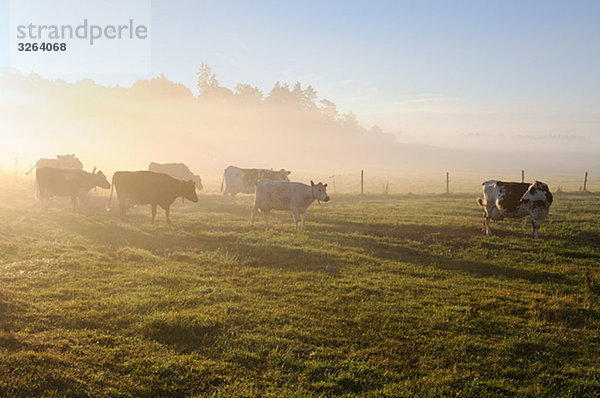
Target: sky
465,74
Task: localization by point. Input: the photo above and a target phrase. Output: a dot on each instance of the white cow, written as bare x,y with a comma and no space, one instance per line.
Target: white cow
61,162
239,180
285,195
177,170
515,200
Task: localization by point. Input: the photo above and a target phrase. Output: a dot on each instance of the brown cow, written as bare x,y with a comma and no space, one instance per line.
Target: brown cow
147,187
67,182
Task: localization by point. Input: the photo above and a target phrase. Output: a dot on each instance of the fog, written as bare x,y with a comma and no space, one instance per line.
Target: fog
290,127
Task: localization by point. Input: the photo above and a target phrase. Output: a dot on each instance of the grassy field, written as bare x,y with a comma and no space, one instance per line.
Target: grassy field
380,296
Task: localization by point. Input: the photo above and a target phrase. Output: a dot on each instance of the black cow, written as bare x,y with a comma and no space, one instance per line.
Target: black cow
147,187
176,170
67,182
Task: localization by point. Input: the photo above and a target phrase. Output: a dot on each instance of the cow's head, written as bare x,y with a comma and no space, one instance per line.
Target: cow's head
101,180
188,190
198,183
284,175
538,192
319,191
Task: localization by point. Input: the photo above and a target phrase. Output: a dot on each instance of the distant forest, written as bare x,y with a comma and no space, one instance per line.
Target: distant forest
161,120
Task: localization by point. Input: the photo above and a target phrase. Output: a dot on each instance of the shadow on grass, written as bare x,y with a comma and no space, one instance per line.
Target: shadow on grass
392,247
587,238
383,242
276,257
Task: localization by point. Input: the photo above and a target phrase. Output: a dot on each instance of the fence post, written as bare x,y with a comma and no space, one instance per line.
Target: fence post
333,180
362,182
585,182
447,183
16,162
522,175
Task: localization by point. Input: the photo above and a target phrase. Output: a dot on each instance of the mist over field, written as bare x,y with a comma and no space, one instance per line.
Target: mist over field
117,128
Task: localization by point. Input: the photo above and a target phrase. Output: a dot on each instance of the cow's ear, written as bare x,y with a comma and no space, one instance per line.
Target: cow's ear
289,172
325,185
312,184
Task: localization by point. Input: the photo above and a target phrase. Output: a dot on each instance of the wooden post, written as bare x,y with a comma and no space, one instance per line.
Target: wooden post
362,182
522,175
333,180
585,182
16,162
447,183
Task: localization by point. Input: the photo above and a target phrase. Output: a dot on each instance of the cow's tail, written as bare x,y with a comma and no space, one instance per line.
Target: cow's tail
480,202
112,186
31,169
223,180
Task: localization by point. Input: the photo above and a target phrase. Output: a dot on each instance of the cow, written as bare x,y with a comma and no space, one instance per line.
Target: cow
147,187
67,182
176,170
239,180
61,162
515,200
285,195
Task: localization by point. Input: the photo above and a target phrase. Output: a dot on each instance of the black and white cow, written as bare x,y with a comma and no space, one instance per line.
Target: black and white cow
239,180
515,200
285,195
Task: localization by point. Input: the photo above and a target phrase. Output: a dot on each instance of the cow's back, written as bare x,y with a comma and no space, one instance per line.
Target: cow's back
282,195
508,198
273,195
176,170
59,181
143,187
503,199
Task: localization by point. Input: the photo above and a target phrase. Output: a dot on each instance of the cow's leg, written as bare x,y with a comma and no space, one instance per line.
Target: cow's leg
253,214
535,223
153,206
486,221
82,200
225,195
303,215
265,214
167,213
296,217
484,226
538,215
122,210
42,200
74,201
233,198
46,198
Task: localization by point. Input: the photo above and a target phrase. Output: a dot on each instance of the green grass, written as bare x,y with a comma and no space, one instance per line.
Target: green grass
380,296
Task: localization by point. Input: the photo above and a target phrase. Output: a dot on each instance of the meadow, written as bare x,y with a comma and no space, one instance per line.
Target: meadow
381,295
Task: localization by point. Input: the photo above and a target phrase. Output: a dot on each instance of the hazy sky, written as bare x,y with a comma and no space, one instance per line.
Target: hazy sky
452,73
